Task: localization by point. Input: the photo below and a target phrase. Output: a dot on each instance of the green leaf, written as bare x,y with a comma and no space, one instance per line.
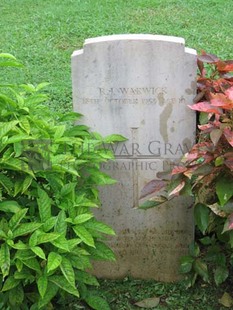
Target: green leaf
224,189
206,240
4,260
82,218
16,296
9,206
26,183
49,224
6,127
102,252
16,218
17,138
42,284
38,251
20,246
186,264
6,182
114,138
44,204
17,165
25,274
54,261
194,249
201,269
220,274
99,226
73,242
84,235
25,125
26,228
103,179
68,189
59,131
152,203
61,225
32,263
25,254
61,243
33,239
201,216
68,271
47,237
49,295
62,283
97,302
10,283
86,278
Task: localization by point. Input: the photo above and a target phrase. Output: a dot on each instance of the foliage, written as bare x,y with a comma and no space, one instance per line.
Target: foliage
206,172
49,174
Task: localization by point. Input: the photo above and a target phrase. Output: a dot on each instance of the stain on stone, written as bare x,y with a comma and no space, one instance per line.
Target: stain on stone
161,99
163,119
172,129
188,91
187,144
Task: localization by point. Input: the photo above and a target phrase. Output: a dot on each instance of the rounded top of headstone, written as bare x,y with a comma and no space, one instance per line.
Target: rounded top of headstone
138,37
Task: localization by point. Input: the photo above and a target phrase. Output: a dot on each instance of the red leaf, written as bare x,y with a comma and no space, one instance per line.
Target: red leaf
152,187
206,127
177,189
225,66
208,58
222,101
178,170
205,106
228,135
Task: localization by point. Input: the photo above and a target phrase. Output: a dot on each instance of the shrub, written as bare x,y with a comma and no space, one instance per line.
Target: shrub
49,177
206,172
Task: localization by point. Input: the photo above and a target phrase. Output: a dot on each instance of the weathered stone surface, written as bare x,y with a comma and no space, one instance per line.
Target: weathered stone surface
139,86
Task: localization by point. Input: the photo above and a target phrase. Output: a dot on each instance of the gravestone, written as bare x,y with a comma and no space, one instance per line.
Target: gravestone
139,86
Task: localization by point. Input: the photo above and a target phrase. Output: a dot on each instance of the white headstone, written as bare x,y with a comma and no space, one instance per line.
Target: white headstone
139,86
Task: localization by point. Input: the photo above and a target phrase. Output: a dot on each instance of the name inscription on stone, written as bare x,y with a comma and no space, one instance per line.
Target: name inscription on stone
130,95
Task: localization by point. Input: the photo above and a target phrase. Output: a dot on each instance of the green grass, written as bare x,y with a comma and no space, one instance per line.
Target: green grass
44,33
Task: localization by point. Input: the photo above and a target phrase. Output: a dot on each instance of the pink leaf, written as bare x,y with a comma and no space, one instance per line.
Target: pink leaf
229,93
206,107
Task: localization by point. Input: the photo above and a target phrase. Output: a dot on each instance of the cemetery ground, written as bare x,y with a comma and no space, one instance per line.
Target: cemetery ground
44,35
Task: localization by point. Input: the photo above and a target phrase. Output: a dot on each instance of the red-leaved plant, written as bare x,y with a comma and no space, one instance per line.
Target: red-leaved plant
206,172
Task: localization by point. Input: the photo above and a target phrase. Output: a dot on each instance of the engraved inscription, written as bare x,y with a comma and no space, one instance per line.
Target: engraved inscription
130,96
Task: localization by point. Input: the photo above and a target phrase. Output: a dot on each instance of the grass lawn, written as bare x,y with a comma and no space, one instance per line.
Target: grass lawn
44,33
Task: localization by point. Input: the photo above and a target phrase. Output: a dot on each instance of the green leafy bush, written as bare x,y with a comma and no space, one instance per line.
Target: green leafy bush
206,173
49,178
